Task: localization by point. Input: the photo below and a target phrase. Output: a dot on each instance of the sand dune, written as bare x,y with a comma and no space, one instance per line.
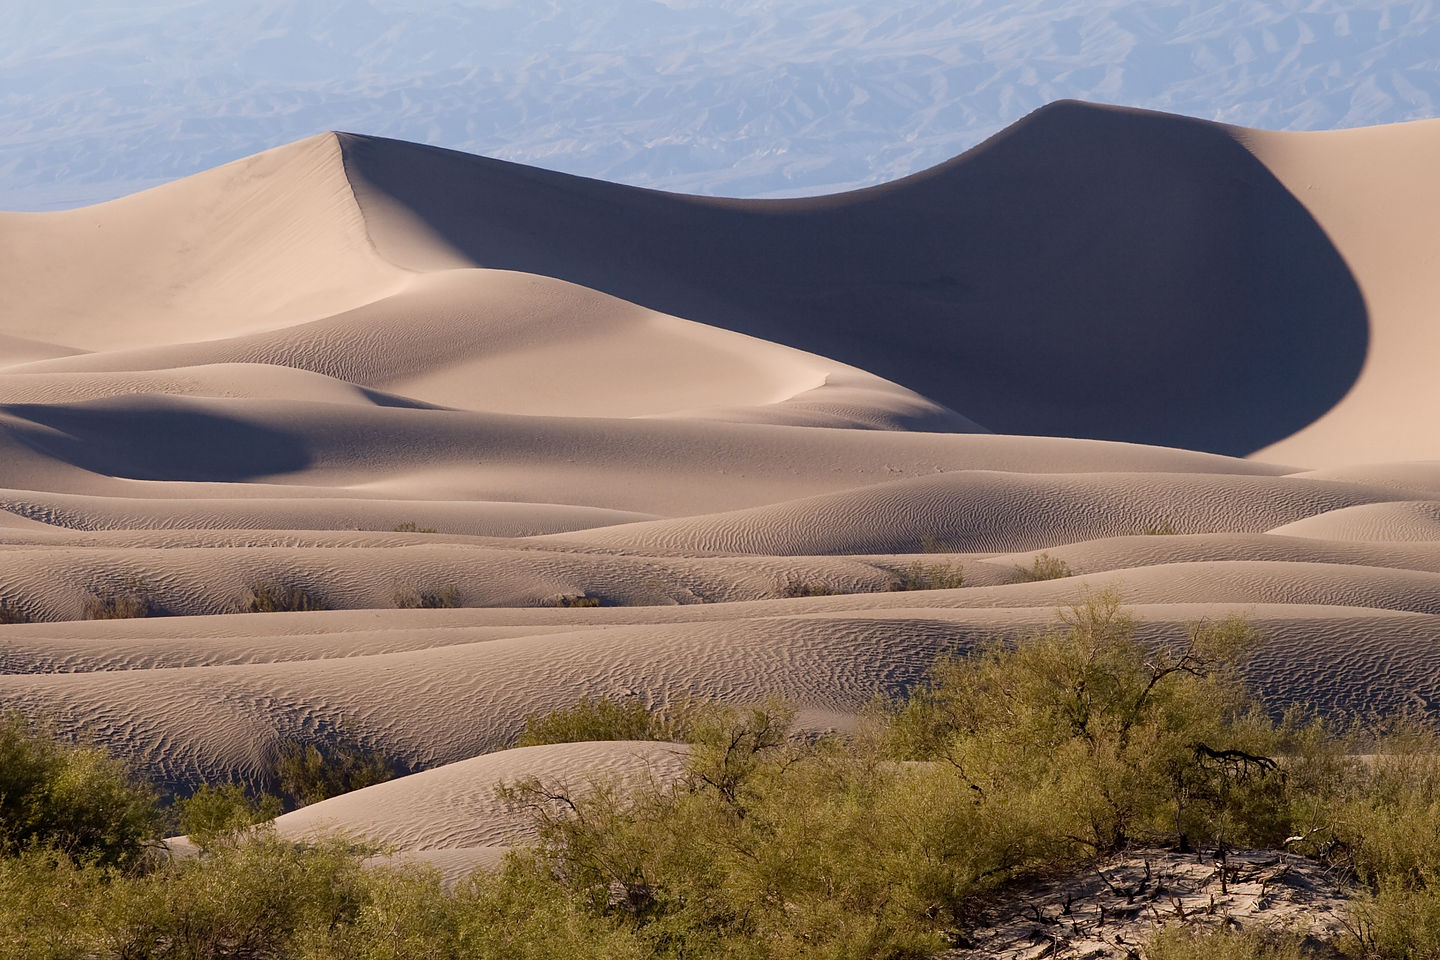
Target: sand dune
378,372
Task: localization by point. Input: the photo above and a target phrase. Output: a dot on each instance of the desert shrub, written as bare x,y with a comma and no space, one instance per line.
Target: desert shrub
435,598
51,907
126,602
1163,529
930,543
260,898
216,815
769,847
576,600
801,587
1112,740
928,576
1178,942
1395,922
307,773
281,598
76,799
12,612
409,526
1043,567
601,718
267,898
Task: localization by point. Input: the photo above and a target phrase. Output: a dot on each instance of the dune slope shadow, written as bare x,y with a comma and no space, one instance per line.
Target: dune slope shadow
157,439
1091,272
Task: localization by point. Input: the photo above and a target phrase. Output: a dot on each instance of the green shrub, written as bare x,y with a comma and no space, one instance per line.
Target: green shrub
928,576
801,587
1224,943
1396,922
1043,567
409,526
627,718
770,847
12,612
307,773
1162,529
122,603
1115,741
278,598
74,798
221,815
577,600
439,597
930,543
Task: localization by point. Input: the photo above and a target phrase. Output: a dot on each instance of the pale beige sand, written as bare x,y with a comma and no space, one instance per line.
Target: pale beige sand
456,806
1374,193
374,370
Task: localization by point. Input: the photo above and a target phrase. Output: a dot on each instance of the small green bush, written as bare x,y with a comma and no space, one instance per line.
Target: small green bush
801,587
1162,529
933,544
433,599
278,598
626,718
307,773
12,612
74,798
577,600
123,603
1178,942
928,576
220,815
1044,567
1115,742
409,527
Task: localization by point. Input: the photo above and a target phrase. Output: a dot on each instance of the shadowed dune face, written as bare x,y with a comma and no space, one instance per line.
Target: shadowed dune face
1090,272
155,439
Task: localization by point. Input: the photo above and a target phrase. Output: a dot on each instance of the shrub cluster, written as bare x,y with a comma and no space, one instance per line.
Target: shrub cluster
281,598
409,598
928,576
307,773
12,612
1014,760
127,602
1043,567
601,718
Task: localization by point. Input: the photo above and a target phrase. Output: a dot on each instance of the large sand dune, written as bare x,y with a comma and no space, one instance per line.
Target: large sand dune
378,372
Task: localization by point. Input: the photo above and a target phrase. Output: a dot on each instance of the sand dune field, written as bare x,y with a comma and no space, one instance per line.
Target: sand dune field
445,397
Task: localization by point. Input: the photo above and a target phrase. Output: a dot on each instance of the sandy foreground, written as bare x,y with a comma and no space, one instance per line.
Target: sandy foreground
1194,363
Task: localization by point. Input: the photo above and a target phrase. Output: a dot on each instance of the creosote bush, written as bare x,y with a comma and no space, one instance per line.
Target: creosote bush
1116,742
801,587
281,598
73,798
12,612
307,773
409,526
432,599
601,718
223,815
1043,567
928,576
122,603
1017,759
576,600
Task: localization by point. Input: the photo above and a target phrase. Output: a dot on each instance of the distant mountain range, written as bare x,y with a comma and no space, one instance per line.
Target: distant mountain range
724,97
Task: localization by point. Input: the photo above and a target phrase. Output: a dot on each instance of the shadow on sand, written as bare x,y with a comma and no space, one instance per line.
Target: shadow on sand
1089,272
157,439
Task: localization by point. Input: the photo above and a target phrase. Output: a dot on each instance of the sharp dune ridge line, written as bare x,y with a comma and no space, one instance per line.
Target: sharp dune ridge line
1192,363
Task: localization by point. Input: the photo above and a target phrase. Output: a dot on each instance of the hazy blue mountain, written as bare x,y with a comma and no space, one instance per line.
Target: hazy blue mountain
733,97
